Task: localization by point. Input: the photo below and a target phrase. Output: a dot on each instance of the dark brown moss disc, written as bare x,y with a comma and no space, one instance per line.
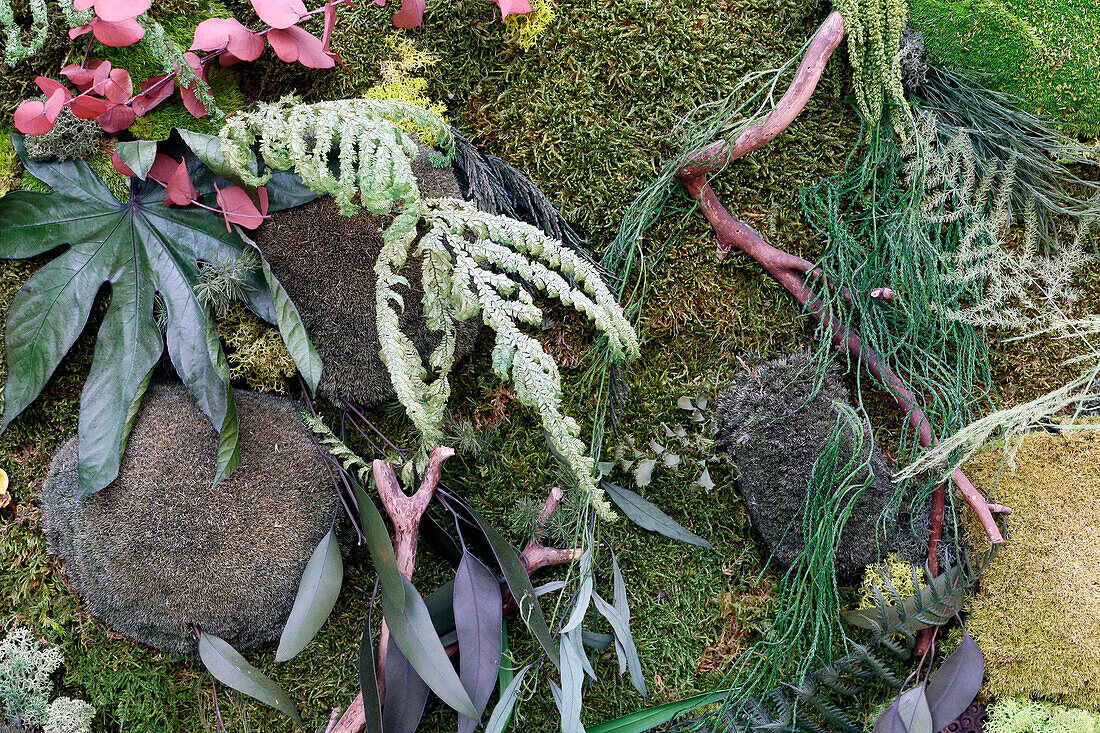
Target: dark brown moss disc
162,550
326,263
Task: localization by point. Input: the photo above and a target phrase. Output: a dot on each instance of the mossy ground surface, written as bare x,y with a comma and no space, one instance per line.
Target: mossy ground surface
583,111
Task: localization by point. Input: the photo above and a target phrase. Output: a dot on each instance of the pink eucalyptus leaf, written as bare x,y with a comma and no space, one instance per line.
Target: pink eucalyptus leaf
155,90
330,25
118,87
116,11
55,104
49,87
295,44
279,13
191,102
82,4
117,118
163,168
117,35
120,166
100,74
507,7
228,33
246,45
83,77
180,189
87,107
227,59
237,207
411,14
80,30
30,118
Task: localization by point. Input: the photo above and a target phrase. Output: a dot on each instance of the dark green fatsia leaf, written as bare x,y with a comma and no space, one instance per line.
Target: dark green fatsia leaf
647,516
908,714
407,616
317,594
138,155
479,623
956,683
231,669
138,247
520,585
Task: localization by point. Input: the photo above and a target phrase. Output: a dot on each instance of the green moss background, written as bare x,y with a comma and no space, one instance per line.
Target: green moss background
585,112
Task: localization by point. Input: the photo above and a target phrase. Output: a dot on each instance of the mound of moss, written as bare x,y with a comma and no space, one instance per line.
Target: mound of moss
774,424
162,550
326,263
1037,614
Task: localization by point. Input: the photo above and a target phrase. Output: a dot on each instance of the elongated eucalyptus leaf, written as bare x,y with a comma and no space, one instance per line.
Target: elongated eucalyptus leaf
650,718
479,622
956,683
231,669
551,587
568,697
520,585
624,642
619,601
317,594
138,155
599,642
647,516
569,724
502,713
584,594
291,328
406,694
908,714
368,680
407,616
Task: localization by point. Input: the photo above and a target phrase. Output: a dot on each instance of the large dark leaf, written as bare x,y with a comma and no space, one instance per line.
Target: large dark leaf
317,594
908,714
647,516
407,616
368,680
231,669
139,248
520,585
406,694
956,683
479,622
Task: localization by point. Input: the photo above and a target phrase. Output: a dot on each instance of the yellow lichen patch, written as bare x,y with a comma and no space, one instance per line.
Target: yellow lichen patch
400,84
1037,615
525,29
256,352
894,570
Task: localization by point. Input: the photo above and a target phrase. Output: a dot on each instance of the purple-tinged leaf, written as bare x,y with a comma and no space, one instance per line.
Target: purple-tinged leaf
231,669
956,683
406,694
368,680
479,622
317,594
908,714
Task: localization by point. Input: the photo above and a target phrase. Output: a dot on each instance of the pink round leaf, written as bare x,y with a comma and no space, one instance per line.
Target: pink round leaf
237,207
87,107
180,189
279,13
155,90
116,11
163,168
82,4
410,15
55,104
117,118
228,33
81,76
49,87
117,35
118,86
30,118
295,44
80,30
518,7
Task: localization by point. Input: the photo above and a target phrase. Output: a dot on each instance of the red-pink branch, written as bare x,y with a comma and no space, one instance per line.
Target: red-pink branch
792,271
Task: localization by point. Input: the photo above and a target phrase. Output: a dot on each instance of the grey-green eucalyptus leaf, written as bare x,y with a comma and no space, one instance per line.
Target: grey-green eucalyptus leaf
231,669
317,594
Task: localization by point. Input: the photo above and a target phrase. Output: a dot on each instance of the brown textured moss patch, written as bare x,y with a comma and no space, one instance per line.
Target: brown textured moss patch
1037,615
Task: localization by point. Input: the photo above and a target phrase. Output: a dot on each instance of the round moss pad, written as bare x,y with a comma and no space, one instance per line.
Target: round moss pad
162,550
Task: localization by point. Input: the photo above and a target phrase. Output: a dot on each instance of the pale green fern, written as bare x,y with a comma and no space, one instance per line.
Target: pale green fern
473,264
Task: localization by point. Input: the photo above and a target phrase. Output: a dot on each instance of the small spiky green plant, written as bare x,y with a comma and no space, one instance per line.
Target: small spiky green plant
474,264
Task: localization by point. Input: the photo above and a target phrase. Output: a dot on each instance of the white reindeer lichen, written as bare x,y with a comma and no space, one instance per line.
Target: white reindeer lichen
473,264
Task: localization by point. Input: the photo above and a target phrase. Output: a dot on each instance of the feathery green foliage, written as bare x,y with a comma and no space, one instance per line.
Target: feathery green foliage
15,50
874,36
474,264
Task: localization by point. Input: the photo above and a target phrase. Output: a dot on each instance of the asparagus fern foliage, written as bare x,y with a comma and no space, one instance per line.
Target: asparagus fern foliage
474,264
141,248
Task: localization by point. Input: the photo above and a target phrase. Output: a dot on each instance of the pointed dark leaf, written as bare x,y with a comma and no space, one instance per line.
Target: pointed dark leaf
368,680
406,694
138,155
520,585
502,713
317,594
478,619
908,714
407,616
231,669
956,683
647,516
138,248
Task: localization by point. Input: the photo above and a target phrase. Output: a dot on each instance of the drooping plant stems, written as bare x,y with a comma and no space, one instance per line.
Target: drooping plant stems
792,271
